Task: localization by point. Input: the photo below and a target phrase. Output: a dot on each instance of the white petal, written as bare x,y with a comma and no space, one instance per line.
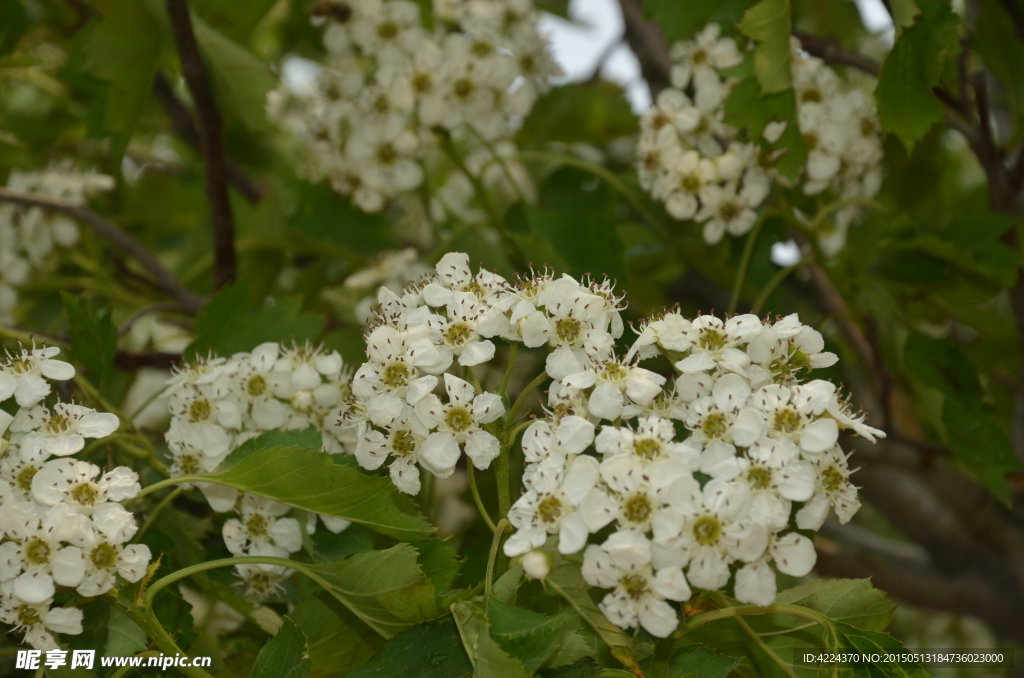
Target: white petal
68,566
794,554
459,390
476,352
562,362
572,533
755,583
597,510
221,498
487,407
671,583
439,454
574,434
819,435
708,570
98,424
813,514
286,533
482,448
580,478
658,618
419,388
133,562
606,402
34,587
58,370
64,620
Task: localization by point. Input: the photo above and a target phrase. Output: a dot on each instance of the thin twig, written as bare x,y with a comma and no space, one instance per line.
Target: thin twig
162,278
211,142
185,127
832,51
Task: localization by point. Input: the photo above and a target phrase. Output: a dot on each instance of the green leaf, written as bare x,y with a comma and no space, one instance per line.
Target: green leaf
432,650
234,19
747,106
864,641
591,112
386,589
438,562
242,80
93,336
230,322
284,656
124,637
175,615
488,658
768,22
980,445
122,52
310,480
336,639
694,660
14,22
507,585
903,14
567,581
906,105
682,20
527,636
307,438
852,601
585,239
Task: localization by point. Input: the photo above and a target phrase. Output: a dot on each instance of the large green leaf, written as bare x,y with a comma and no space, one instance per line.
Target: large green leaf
124,637
235,19
122,51
906,105
768,22
310,480
851,601
682,20
592,112
388,589
93,336
748,106
527,636
432,650
489,659
284,656
567,581
338,641
586,239
230,322
702,662
242,80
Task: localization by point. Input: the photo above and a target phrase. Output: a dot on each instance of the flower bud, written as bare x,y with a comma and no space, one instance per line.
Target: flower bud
536,565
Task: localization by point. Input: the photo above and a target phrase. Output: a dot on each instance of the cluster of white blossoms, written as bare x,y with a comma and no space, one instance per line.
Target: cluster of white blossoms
392,90
444,323
698,509
28,235
707,171
61,521
218,403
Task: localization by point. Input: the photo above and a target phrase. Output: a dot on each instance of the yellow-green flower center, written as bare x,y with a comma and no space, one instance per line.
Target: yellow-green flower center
36,551
27,615
832,479
58,424
458,334
199,411
787,420
711,340
104,556
634,585
637,509
759,477
459,419
188,464
84,494
396,375
256,386
714,426
257,525
549,510
707,530
387,30
403,442
24,478
567,330
648,448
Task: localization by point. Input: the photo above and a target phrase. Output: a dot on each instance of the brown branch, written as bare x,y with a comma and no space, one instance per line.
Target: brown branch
185,127
832,51
162,278
211,142
649,44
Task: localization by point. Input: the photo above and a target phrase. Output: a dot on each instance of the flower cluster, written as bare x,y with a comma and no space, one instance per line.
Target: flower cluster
392,91
696,510
218,403
61,523
452,316
707,171
29,234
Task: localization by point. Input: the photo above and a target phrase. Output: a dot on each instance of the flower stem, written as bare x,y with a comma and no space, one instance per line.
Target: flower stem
476,495
513,351
748,251
499,530
155,513
169,482
662,658
776,280
511,417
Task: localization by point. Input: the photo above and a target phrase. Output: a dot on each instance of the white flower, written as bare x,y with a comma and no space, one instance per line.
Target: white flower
714,530
636,495
793,554
793,414
97,563
80,484
22,375
62,432
550,504
651,441
28,563
775,476
460,330
403,440
611,381
262,581
458,425
261,530
787,347
38,620
724,418
726,209
570,435
833,490
713,342
623,563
